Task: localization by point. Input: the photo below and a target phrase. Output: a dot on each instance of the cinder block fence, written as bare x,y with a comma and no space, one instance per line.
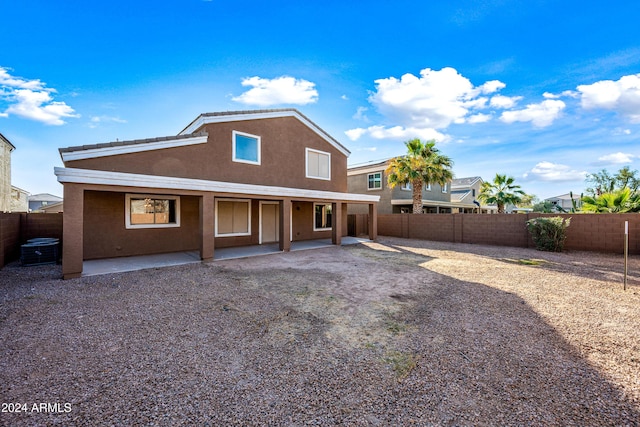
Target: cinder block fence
587,232
17,228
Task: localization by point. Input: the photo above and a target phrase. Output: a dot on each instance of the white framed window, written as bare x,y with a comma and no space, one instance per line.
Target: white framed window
322,216
406,186
444,188
233,217
318,164
374,181
151,211
246,148
428,187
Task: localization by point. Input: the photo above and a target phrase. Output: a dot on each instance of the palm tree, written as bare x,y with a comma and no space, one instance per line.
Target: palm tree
619,201
423,164
501,191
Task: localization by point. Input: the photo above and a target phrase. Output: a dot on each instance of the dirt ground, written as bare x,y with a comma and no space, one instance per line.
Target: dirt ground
396,332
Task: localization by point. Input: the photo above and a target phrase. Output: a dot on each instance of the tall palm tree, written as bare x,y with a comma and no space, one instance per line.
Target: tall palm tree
501,191
423,164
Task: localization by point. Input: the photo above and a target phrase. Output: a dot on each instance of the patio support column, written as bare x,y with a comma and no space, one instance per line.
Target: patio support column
284,238
207,218
373,221
336,223
72,229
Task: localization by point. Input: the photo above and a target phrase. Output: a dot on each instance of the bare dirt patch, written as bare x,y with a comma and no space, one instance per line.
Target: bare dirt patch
389,333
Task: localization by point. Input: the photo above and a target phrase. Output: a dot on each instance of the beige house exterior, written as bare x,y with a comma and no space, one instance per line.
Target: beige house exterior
6,148
19,199
227,179
465,192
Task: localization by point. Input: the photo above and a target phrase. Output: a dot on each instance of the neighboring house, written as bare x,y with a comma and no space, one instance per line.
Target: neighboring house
19,199
6,148
38,202
372,179
228,179
465,192
57,207
564,201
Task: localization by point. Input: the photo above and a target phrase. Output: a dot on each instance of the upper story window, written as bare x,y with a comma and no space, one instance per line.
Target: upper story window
406,186
318,164
444,188
374,181
428,187
246,148
151,211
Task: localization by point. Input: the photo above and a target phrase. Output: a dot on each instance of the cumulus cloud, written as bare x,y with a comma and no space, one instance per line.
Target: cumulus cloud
434,100
621,96
281,90
616,159
32,100
420,106
397,132
504,102
553,172
540,115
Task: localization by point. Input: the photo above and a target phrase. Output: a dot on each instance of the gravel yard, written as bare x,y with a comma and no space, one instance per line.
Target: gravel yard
398,332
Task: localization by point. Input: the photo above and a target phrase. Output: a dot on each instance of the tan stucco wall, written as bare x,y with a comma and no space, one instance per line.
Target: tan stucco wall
283,157
105,234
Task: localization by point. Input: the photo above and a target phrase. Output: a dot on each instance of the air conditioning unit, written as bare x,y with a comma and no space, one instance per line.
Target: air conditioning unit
40,251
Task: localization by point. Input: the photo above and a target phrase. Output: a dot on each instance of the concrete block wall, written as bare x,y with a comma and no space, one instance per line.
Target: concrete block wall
587,232
17,228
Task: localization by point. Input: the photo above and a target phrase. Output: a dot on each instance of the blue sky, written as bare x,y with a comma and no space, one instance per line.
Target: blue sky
545,91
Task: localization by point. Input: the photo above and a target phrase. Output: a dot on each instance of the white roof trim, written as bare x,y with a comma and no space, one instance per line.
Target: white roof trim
224,118
379,168
131,148
87,176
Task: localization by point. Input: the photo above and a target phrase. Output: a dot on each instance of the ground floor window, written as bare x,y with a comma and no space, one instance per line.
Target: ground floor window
151,211
322,216
233,217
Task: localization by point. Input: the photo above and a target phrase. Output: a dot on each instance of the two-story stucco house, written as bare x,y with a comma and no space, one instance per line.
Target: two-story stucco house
371,179
228,179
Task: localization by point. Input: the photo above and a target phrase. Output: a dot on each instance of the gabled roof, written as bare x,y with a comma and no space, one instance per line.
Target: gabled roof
44,197
233,116
465,182
373,166
132,146
2,137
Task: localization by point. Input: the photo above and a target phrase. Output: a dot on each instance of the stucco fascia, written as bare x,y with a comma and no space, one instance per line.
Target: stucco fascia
87,176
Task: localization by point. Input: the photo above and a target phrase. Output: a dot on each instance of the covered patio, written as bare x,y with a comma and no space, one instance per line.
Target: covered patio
141,262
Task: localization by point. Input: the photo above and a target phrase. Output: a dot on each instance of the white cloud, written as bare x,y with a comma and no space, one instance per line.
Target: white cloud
616,159
281,90
360,114
566,93
479,118
397,132
504,102
95,121
355,134
32,100
434,100
547,171
540,115
621,96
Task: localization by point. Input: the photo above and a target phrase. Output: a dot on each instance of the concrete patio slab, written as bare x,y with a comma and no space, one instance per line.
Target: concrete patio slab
132,263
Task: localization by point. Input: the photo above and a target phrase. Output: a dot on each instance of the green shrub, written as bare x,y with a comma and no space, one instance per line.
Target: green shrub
548,233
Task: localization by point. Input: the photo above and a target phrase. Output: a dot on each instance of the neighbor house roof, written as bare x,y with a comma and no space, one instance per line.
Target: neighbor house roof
44,197
465,182
2,137
231,116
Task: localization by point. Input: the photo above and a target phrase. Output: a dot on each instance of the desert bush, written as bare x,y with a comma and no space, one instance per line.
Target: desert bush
548,233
